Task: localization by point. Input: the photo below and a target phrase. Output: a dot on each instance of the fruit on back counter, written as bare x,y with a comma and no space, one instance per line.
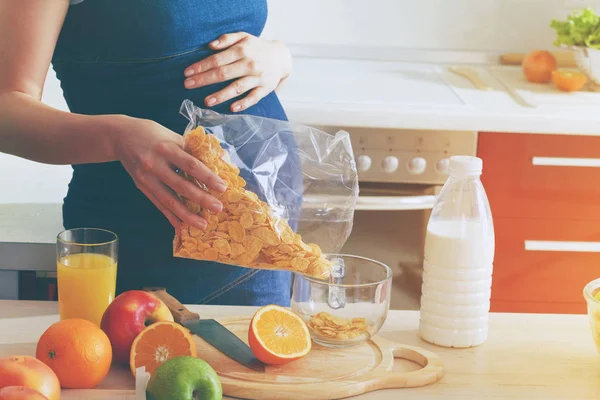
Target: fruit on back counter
158,343
127,316
278,336
19,370
20,393
538,66
78,351
184,378
581,28
569,81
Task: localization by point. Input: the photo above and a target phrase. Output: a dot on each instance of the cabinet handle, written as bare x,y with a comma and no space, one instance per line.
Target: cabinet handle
566,162
548,245
377,203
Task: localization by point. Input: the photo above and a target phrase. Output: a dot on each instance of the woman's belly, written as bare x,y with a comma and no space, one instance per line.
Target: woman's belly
105,193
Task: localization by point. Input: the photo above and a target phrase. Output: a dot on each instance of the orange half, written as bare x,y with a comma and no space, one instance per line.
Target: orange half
568,81
278,336
158,343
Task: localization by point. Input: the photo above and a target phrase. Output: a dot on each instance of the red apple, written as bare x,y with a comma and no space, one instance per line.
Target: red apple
127,315
29,372
20,393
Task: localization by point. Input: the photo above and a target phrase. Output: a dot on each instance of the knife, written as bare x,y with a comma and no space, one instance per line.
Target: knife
210,330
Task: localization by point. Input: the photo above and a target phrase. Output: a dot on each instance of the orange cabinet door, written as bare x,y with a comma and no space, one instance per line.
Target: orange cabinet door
541,176
542,265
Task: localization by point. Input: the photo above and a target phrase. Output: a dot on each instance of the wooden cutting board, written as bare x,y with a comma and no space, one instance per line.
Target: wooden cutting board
324,373
542,94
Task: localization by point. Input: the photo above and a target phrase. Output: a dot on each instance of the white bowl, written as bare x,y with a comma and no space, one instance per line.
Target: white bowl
588,61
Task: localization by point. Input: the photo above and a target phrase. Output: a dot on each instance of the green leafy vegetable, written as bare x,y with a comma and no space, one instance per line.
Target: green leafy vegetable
582,28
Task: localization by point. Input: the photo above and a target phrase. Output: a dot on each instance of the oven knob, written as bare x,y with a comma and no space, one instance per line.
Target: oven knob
389,164
442,166
363,163
417,165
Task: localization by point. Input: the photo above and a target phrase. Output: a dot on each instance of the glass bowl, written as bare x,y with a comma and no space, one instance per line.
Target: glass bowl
590,291
348,309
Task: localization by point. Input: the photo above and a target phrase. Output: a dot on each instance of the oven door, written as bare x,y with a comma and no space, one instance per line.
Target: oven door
390,221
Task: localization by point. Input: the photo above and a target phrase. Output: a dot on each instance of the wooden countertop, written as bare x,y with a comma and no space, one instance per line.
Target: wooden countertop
527,356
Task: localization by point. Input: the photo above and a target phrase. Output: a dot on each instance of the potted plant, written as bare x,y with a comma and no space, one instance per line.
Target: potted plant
580,32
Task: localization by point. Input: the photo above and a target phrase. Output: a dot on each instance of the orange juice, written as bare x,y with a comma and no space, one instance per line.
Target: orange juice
86,285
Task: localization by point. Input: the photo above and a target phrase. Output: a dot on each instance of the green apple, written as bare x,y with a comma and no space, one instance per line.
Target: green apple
184,378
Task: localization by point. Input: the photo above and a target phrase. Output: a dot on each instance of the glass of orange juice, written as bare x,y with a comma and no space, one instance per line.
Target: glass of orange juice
86,272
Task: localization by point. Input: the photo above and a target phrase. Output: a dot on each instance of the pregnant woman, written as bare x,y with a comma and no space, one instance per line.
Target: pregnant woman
125,67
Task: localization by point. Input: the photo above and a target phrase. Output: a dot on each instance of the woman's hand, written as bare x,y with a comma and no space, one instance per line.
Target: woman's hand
259,65
150,153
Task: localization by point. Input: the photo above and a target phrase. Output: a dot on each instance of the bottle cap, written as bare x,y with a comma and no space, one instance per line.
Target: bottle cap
465,165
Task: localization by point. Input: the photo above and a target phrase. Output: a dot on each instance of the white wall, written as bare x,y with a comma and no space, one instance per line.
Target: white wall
24,181
472,25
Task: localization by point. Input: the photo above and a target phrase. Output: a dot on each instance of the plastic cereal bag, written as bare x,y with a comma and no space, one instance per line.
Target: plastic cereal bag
290,197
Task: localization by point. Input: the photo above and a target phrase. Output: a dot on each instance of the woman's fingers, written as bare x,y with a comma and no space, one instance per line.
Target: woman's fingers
227,40
187,189
176,222
193,167
253,97
215,61
235,89
217,75
170,205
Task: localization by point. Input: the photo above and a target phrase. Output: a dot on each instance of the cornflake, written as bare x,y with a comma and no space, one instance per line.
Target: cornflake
333,327
245,233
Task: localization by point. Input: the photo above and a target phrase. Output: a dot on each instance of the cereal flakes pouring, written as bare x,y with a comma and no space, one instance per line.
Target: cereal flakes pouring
245,233
290,197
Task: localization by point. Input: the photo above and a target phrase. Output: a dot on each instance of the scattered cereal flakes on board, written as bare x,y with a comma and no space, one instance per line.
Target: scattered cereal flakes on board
245,233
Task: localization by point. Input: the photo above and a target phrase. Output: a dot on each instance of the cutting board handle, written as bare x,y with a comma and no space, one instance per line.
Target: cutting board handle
180,313
432,371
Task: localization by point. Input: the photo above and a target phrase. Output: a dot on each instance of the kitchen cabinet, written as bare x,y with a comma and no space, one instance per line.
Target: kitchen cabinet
544,194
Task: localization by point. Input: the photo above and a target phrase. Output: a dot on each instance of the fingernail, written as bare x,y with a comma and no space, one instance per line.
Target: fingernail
221,186
189,72
237,107
216,42
211,101
189,82
200,223
216,206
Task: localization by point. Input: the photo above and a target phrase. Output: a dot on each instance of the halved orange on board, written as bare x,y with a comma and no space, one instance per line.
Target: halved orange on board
569,81
278,336
158,343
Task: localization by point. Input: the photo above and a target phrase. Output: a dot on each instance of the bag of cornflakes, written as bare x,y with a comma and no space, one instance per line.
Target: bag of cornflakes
290,197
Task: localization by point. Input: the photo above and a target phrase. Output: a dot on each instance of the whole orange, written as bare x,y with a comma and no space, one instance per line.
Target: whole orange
538,66
20,393
78,351
30,372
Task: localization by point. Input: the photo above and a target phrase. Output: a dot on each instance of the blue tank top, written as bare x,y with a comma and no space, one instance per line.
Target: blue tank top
128,57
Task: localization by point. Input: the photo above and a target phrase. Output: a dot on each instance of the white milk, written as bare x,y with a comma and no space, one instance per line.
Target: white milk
457,277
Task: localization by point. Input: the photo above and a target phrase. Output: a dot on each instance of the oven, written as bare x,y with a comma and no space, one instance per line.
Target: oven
400,174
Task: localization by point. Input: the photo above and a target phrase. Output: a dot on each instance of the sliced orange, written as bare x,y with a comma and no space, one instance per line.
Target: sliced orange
568,81
158,343
278,336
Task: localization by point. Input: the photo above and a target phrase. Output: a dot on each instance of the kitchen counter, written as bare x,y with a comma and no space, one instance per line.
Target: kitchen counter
28,236
527,356
413,94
